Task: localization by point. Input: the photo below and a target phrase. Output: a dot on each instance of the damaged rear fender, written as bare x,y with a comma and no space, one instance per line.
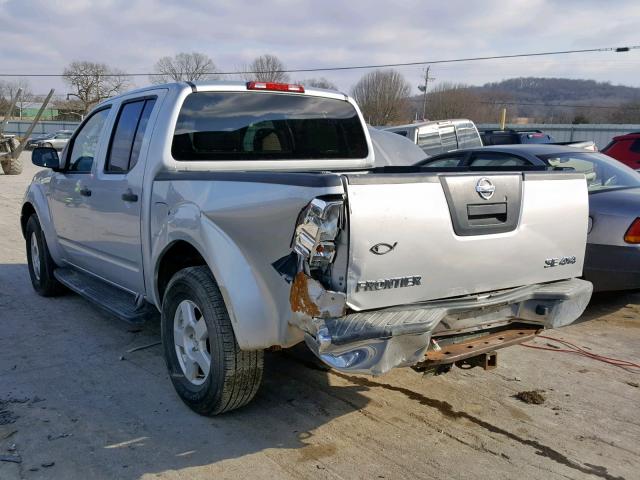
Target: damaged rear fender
250,297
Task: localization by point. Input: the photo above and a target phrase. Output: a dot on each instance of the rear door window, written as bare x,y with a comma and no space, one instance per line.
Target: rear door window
266,126
128,134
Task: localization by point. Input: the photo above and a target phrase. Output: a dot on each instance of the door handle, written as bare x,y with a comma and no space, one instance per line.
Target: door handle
85,192
129,196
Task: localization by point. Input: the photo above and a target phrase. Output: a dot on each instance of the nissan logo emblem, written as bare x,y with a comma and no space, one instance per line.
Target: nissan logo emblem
485,188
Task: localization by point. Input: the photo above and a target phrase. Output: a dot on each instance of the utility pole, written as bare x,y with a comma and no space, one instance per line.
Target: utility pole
423,89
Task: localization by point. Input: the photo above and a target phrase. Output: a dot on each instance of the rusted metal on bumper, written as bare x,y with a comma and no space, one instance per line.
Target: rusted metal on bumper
309,298
456,352
487,361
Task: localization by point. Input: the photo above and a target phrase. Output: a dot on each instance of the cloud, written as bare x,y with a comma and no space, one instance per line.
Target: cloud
42,36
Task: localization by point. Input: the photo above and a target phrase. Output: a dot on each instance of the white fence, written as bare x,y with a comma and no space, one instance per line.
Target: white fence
599,133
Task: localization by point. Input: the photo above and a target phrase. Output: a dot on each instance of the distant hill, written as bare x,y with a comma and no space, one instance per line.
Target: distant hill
562,90
537,99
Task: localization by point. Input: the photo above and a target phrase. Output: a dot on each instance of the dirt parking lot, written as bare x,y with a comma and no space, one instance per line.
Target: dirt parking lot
74,404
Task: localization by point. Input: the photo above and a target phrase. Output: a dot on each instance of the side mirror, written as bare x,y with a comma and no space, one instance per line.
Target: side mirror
45,157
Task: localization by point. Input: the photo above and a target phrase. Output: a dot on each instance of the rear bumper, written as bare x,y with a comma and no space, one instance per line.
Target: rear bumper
612,267
374,342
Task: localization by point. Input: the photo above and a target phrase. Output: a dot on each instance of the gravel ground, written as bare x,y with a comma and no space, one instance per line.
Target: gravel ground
73,404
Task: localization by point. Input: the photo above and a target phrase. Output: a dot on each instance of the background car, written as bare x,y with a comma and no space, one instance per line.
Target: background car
513,137
510,137
57,140
440,136
34,139
612,259
625,149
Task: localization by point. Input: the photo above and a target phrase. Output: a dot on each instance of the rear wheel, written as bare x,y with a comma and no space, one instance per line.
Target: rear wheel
39,261
209,371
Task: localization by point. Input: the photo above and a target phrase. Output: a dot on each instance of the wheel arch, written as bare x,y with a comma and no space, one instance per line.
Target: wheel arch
36,203
27,210
177,255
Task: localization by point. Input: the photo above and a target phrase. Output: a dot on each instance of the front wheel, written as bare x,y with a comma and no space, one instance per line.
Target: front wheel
209,371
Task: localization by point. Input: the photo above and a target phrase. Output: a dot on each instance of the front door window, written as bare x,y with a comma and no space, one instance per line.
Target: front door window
85,145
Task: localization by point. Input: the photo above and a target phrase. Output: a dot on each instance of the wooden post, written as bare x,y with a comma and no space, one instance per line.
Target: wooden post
503,118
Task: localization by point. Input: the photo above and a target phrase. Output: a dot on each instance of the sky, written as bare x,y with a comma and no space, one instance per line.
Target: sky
43,36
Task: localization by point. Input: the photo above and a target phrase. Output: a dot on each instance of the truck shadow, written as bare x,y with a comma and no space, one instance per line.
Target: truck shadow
118,413
295,400
122,417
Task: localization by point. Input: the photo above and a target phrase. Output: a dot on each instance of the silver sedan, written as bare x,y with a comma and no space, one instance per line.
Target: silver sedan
57,140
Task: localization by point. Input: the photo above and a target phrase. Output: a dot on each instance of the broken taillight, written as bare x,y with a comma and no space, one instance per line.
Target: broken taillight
316,232
633,233
276,87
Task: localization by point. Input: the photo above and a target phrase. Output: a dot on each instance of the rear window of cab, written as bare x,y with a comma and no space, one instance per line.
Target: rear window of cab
266,126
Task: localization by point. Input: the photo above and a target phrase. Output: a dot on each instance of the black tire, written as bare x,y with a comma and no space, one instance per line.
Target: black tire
234,374
44,282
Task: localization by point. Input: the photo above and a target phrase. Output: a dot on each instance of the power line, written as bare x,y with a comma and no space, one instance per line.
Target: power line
352,67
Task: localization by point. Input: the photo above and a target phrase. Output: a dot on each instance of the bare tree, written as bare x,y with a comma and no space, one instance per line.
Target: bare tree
454,100
184,67
94,82
383,97
266,68
8,90
71,109
320,82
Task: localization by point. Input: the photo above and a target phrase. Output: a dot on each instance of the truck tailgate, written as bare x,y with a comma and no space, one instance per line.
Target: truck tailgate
421,236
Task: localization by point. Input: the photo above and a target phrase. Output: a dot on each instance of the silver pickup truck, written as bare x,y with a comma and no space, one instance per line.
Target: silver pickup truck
251,216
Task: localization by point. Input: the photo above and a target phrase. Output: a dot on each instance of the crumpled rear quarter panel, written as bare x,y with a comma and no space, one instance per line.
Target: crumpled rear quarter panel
240,228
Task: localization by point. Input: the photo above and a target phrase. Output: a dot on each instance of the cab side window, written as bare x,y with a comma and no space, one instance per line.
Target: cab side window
85,144
128,134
